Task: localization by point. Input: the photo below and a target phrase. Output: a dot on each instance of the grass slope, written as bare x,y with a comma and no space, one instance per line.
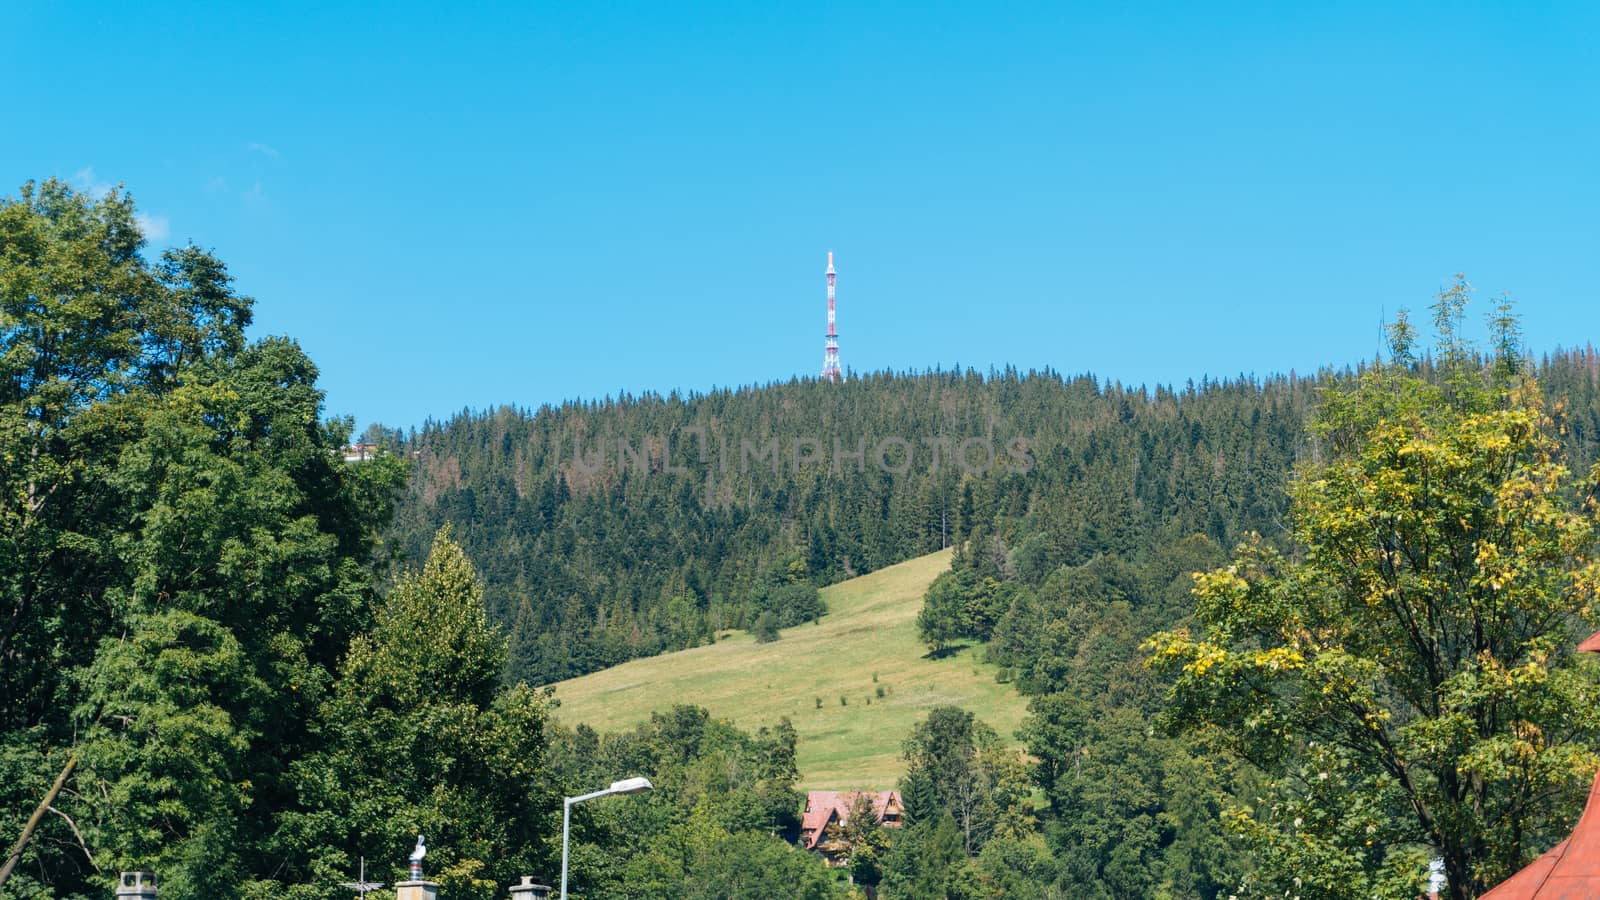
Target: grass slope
871,628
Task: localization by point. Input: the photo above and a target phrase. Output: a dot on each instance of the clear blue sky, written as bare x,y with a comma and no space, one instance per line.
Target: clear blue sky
544,201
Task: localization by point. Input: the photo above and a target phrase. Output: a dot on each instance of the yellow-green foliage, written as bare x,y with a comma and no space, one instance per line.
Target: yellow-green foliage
871,627
1407,674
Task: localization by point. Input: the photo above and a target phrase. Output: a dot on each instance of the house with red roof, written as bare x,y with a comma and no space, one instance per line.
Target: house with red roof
825,808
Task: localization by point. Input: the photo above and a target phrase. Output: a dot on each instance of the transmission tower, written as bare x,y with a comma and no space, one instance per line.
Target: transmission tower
830,353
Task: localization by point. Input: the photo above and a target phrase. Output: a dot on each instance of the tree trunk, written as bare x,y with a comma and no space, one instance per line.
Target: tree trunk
33,821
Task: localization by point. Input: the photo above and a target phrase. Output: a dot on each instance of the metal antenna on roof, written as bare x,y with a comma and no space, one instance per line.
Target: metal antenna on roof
361,885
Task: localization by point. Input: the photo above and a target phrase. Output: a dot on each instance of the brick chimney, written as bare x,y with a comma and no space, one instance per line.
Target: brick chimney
527,890
137,886
416,890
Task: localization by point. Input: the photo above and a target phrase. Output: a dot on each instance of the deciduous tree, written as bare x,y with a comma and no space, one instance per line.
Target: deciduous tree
1408,674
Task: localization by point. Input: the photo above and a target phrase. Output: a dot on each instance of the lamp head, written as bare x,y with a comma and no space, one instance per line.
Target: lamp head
631,786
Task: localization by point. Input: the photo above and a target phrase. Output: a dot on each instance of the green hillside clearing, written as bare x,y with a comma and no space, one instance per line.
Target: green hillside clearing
871,628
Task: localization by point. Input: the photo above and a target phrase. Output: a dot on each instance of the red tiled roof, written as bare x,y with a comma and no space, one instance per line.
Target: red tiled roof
1528,882
822,806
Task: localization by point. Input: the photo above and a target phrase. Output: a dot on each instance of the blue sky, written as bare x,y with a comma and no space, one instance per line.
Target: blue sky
523,204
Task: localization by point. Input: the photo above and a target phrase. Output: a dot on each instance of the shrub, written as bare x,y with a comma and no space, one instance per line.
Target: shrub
766,629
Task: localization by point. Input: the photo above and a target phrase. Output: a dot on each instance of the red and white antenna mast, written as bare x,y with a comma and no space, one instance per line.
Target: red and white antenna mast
830,353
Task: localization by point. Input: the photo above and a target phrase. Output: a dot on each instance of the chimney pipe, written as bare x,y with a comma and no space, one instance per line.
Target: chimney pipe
527,890
136,886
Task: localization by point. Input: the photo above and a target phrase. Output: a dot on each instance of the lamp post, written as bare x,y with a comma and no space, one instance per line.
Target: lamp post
625,786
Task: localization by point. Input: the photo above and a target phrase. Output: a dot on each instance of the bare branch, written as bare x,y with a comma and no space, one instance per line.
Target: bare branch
77,834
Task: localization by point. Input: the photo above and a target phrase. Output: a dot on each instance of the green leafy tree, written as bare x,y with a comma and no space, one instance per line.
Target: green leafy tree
1136,814
1021,869
980,782
1408,677
942,619
167,747
183,556
1057,732
753,866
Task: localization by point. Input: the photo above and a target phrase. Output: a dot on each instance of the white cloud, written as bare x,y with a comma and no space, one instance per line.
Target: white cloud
155,228
263,149
216,184
86,182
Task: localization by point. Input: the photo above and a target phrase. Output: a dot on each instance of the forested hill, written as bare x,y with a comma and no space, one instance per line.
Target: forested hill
622,528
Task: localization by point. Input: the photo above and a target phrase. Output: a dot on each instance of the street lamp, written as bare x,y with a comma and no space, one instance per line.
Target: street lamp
625,786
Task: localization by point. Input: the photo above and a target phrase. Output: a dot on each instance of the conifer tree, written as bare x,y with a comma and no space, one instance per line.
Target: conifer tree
423,738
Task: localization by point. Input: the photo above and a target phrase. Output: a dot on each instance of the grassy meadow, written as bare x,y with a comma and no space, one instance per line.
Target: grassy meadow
868,641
